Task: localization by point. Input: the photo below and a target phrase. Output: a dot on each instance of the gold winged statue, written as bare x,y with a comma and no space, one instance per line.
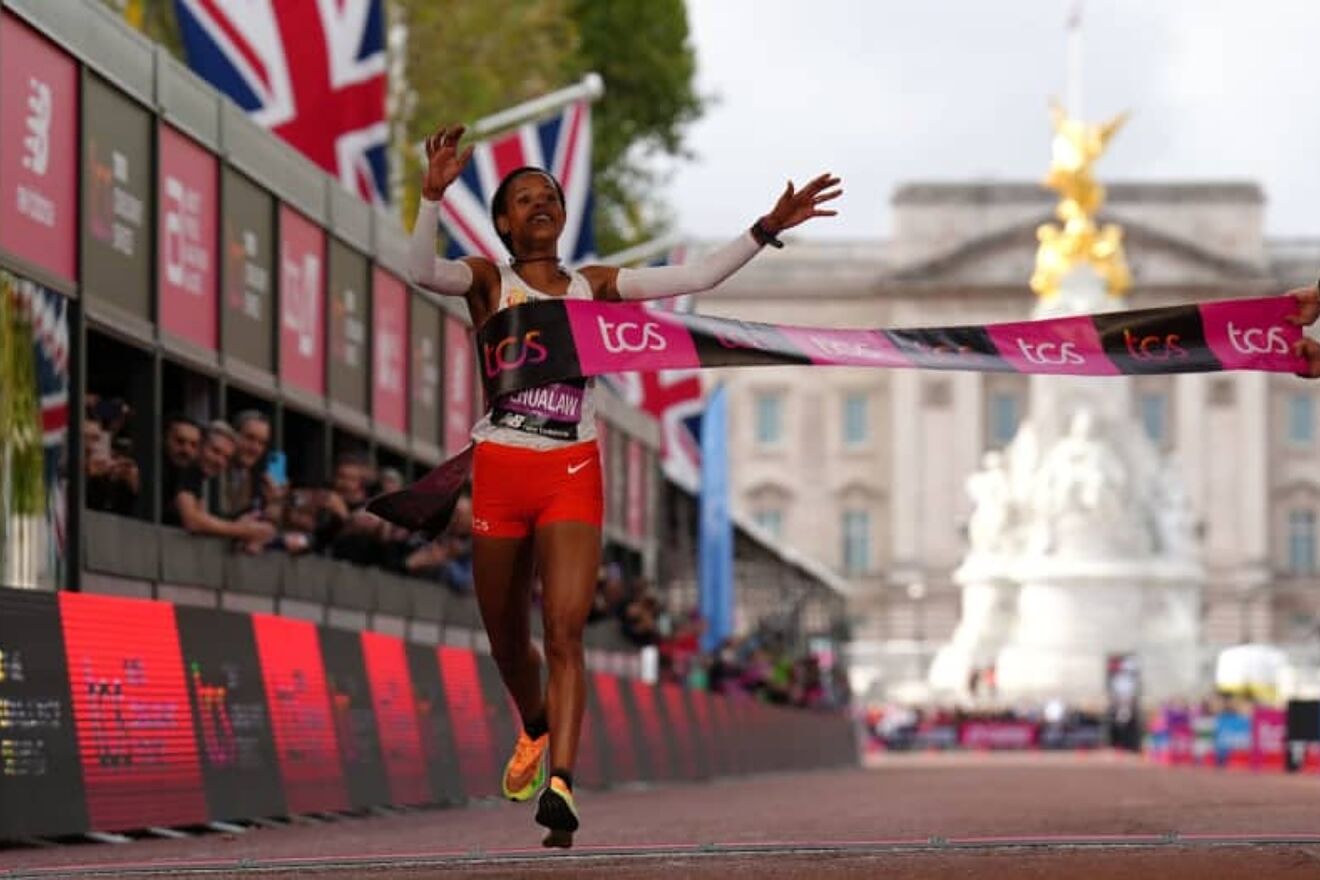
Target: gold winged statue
1076,147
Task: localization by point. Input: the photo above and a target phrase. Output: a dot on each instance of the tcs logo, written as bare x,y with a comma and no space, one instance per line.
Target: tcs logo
630,337
512,352
1050,353
1257,340
1154,347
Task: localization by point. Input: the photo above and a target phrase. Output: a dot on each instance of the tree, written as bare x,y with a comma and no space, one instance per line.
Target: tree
467,60
643,51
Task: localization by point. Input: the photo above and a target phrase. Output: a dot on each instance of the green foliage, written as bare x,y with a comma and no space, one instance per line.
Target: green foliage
20,414
470,59
643,51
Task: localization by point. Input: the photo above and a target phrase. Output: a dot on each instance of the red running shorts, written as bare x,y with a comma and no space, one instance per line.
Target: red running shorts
517,490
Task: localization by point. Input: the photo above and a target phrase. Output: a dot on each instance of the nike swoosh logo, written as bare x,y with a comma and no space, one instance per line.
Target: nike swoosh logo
574,468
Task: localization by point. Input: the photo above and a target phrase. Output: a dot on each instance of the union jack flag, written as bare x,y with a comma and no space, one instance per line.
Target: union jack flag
562,146
673,397
47,314
311,71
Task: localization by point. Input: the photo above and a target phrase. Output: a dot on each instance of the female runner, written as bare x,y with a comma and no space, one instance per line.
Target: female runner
537,502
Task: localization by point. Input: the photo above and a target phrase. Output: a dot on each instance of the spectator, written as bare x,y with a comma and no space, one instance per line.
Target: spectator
196,494
183,443
245,478
360,537
449,557
641,617
112,476
391,480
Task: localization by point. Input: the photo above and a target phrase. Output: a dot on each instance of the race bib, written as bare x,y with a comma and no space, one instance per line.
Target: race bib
553,410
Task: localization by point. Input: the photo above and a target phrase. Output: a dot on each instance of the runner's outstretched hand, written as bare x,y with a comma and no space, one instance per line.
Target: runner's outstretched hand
798,206
443,161
1308,309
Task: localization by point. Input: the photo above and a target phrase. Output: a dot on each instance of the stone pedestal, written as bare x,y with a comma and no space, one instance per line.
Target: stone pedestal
1082,546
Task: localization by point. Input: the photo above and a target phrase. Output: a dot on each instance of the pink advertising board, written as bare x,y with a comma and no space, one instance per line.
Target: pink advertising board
458,384
187,272
389,374
38,150
302,302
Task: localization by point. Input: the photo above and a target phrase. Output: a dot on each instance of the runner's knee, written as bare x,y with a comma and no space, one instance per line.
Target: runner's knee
563,641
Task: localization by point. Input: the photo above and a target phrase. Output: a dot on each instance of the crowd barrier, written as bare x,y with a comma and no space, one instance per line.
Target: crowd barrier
1255,738
985,734
119,714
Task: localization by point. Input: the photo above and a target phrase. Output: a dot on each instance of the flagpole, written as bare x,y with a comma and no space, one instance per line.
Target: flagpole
590,87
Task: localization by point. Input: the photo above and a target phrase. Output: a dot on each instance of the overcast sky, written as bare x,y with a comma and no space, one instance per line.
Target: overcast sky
886,91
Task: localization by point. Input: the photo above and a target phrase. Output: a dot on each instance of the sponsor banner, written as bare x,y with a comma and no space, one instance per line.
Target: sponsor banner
997,735
120,714
132,713
659,750
474,741
350,284
41,778
459,399
389,350
1268,738
188,270
424,328
240,768
355,717
38,150
557,340
1232,740
616,725
117,201
246,331
302,302
539,344
437,737
396,718
301,717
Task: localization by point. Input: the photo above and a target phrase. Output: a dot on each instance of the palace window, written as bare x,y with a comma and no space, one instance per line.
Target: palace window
769,418
1301,541
1301,419
1154,411
856,542
1005,413
770,519
856,425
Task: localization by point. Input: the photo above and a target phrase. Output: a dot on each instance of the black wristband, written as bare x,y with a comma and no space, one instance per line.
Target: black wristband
763,236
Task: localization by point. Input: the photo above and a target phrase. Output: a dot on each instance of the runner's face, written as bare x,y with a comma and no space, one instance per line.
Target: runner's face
533,211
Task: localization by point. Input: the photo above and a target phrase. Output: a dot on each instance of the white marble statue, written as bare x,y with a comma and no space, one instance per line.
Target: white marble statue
994,515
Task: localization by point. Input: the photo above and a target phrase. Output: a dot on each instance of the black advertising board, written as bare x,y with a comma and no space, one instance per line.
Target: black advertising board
350,286
424,370
433,725
117,203
240,768
354,717
248,230
41,783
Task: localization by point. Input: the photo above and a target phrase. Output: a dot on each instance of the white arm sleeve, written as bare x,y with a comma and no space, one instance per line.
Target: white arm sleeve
452,277
657,282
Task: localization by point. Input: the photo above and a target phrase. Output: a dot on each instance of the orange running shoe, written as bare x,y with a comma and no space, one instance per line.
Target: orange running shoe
557,813
525,772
